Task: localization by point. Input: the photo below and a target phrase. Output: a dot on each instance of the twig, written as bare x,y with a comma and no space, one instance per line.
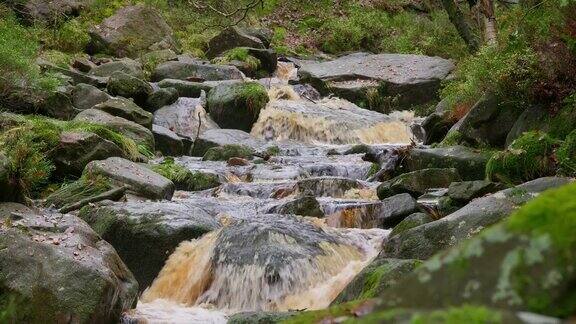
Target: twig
197,133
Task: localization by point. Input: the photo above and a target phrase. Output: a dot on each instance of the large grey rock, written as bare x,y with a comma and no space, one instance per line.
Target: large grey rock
231,38
77,77
57,104
378,276
85,96
76,149
478,126
470,163
167,142
409,79
335,187
126,109
418,182
303,206
56,269
139,179
132,31
126,65
124,85
138,133
411,221
186,88
437,124
468,190
237,105
195,71
160,98
184,117
146,233
423,241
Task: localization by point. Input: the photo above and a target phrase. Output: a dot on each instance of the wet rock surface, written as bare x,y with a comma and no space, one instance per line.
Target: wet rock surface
71,273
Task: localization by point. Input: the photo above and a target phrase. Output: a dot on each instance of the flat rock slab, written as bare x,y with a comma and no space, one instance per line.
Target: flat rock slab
139,179
415,79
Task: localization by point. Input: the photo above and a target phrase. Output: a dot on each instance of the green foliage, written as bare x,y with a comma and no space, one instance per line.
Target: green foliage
254,95
239,54
30,141
18,52
225,152
185,179
564,121
508,73
73,192
57,58
452,138
463,314
380,31
69,37
527,158
566,155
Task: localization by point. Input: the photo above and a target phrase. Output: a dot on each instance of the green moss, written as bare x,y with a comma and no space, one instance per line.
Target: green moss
272,151
226,152
563,123
457,315
566,155
374,168
185,179
254,95
527,158
316,316
29,141
241,54
452,138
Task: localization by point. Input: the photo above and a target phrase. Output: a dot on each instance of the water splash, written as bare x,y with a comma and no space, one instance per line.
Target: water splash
208,271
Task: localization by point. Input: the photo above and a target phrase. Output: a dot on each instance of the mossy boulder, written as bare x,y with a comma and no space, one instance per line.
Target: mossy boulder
231,38
185,179
146,233
124,85
303,206
138,133
465,191
131,31
379,275
54,268
160,98
186,88
83,188
126,109
411,221
528,157
193,70
418,182
237,105
531,264
470,163
126,65
85,96
226,152
139,180
422,242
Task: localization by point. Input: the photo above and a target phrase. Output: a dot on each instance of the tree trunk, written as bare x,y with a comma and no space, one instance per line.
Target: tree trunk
490,31
459,21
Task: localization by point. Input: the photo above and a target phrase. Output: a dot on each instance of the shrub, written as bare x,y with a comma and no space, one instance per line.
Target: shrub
29,141
529,157
18,52
566,155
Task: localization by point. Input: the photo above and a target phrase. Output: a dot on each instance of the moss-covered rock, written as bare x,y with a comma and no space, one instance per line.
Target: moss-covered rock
411,221
470,163
531,258
303,206
379,275
528,157
83,188
126,109
160,98
146,233
417,182
127,86
59,270
237,105
259,317
226,152
185,179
